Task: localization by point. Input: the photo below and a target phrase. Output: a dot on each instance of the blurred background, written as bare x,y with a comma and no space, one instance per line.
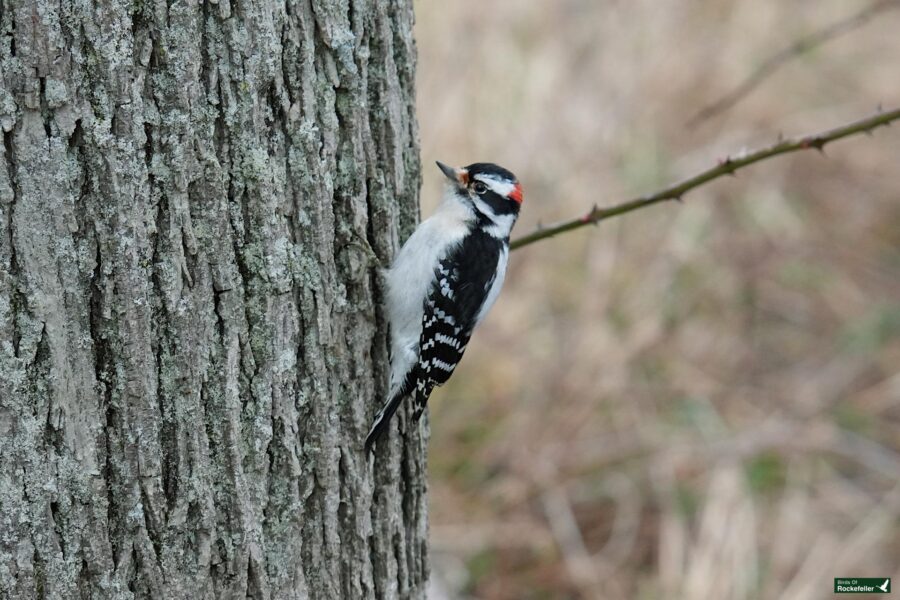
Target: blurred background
695,401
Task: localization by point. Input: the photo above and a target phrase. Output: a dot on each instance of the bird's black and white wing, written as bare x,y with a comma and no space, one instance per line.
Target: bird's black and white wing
466,283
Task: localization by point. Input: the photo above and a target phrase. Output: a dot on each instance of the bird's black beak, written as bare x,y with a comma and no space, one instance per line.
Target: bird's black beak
457,176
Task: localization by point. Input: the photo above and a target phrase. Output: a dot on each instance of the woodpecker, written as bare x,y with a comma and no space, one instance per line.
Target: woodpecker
444,281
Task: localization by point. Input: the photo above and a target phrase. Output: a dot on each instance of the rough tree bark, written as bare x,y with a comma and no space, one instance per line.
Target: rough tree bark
190,345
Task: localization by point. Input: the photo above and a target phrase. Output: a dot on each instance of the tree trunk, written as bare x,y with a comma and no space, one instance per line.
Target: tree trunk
191,349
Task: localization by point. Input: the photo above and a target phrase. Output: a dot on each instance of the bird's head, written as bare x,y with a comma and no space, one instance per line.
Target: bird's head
491,189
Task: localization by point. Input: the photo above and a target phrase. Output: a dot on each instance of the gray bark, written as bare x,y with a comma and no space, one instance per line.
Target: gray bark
191,348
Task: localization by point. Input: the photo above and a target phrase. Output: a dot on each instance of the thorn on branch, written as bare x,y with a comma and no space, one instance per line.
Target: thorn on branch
817,142
591,216
728,166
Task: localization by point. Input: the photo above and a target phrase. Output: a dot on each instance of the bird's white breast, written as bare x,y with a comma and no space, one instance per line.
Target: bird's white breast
494,291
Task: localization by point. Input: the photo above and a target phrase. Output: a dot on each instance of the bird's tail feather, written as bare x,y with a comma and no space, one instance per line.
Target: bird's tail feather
383,419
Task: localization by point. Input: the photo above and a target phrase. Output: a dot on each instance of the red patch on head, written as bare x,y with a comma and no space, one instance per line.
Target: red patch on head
516,194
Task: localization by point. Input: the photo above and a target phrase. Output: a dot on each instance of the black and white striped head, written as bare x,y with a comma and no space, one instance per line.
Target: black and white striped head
492,190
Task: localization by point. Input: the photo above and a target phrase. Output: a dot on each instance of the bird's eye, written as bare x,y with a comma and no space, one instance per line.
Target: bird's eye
479,188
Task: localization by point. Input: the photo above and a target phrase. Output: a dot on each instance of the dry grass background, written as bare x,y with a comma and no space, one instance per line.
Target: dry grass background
694,401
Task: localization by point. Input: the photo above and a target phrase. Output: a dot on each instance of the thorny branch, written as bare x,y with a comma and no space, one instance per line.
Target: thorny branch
801,46
728,166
